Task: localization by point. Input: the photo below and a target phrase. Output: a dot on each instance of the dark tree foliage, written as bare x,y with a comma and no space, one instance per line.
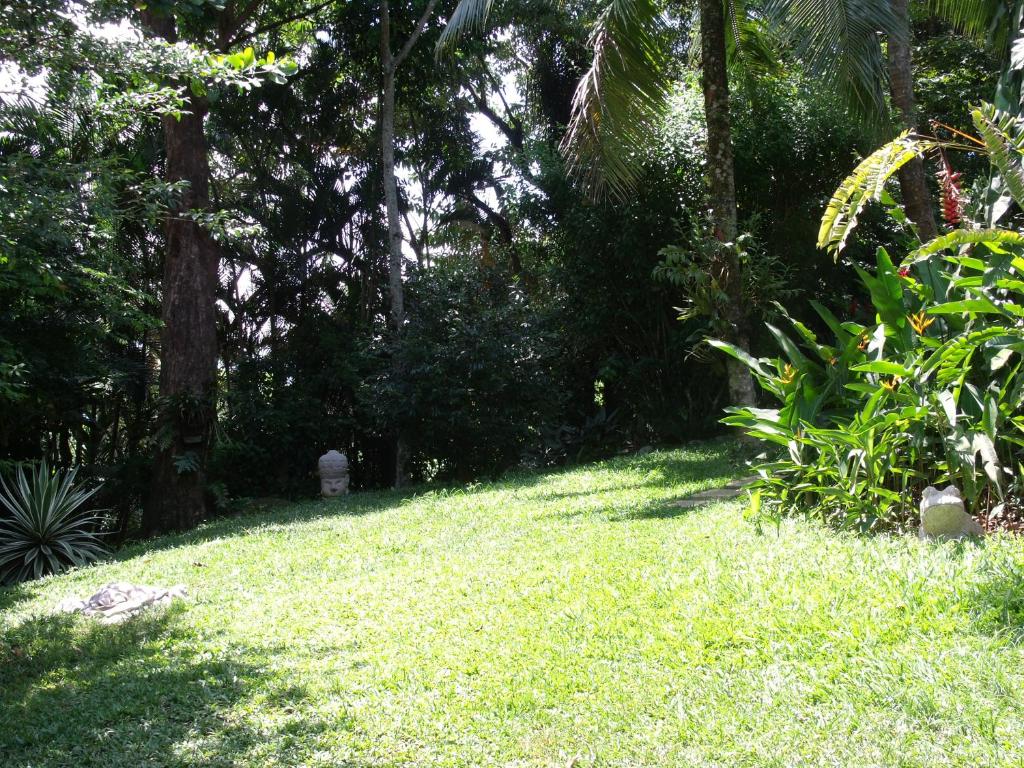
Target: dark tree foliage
537,331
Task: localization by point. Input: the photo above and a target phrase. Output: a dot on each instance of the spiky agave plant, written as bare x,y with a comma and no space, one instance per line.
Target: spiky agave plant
43,527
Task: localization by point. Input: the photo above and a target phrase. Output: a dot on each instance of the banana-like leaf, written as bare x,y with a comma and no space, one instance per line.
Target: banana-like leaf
1004,137
865,184
884,367
754,364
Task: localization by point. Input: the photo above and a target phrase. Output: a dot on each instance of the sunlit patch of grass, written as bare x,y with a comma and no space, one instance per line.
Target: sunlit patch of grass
574,615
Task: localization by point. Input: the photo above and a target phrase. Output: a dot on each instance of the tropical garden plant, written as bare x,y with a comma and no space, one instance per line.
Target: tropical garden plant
44,527
929,391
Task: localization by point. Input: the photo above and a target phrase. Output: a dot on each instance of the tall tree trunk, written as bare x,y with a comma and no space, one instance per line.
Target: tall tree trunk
389,67
913,184
722,188
188,352
395,257
395,289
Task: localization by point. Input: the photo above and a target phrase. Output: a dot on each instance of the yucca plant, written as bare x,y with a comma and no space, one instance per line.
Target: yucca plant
43,526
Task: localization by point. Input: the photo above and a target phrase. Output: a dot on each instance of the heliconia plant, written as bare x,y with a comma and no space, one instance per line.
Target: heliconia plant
951,196
929,392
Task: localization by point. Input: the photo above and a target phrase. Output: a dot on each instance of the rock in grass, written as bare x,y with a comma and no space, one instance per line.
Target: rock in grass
943,515
120,600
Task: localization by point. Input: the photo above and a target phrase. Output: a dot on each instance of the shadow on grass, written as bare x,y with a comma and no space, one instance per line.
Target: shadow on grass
694,462
660,471
716,460
11,596
356,505
74,692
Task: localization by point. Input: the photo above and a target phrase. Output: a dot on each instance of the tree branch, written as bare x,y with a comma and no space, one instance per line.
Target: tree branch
242,38
420,25
512,129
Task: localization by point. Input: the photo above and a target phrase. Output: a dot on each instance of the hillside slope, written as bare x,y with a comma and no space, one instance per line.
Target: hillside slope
574,616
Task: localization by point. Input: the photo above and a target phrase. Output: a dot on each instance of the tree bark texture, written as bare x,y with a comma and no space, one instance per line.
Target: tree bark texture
913,183
188,352
722,189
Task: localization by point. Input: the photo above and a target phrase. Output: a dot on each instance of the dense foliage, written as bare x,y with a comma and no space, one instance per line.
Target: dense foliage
541,325
925,387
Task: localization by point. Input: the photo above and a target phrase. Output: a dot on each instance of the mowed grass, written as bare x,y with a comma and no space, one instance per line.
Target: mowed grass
574,618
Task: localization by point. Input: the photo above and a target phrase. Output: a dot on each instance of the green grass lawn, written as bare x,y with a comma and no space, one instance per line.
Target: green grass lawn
573,618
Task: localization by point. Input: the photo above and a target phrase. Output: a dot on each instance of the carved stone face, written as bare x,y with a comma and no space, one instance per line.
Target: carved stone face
333,467
333,486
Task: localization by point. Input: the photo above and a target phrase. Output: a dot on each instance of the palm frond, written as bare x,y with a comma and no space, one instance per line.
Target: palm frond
620,100
839,41
752,44
468,16
987,21
953,241
866,183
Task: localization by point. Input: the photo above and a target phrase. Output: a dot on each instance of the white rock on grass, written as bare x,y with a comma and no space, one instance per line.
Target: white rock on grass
943,515
120,600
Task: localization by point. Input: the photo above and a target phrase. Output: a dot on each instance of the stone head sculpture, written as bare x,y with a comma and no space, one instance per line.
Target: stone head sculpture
333,474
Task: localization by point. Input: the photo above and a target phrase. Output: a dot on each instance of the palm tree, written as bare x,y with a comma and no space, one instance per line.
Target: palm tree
622,97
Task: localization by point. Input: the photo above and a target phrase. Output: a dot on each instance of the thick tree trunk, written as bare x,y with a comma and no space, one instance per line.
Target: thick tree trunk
913,183
722,187
188,352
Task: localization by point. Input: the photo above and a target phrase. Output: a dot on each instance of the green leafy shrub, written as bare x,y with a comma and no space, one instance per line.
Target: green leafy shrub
478,375
696,267
930,392
43,528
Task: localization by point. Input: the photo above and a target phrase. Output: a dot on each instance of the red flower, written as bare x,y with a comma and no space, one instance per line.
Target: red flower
904,271
950,193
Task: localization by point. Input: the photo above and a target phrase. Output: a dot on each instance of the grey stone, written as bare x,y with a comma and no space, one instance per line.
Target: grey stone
119,600
333,474
943,515
730,490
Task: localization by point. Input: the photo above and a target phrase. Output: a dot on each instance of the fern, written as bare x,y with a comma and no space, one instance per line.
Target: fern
1004,137
866,183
